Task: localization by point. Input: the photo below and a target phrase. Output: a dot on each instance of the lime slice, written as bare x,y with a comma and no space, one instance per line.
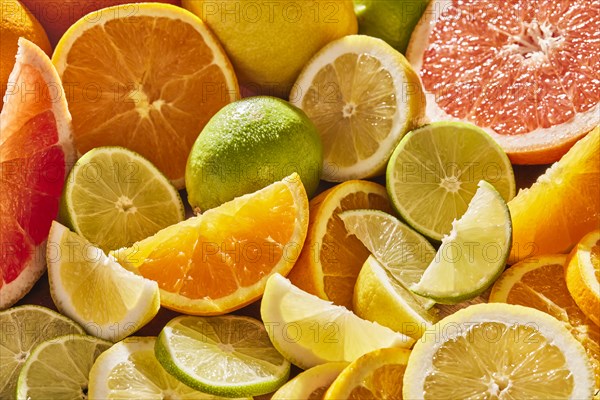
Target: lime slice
227,356
23,328
401,251
498,351
59,368
474,254
114,197
380,298
310,331
433,174
109,301
130,370
310,384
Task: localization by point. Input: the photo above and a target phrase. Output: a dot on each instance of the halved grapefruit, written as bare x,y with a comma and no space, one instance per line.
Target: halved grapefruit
35,154
526,71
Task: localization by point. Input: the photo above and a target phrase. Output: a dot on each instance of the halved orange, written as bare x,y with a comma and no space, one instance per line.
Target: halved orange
540,283
561,206
147,77
583,275
332,258
220,261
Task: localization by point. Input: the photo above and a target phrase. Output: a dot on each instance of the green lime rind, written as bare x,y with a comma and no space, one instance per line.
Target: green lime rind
25,327
60,366
402,252
474,254
115,197
194,349
434,172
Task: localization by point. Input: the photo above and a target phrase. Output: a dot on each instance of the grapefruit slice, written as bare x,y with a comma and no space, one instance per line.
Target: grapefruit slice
527,72
35,153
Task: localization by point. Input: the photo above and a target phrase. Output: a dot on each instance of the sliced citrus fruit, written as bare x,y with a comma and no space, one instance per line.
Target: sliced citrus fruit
375,375
402,252
228,355
220,261
583,275
93,289
473,254
500,351
130,370
114,197
58,368
147,78
310,384
363,96
540,283
331,258
521,71
433,174
546,227
310,331
35,154
23,328
381,298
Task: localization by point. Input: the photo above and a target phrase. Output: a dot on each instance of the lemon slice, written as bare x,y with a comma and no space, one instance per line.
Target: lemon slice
58,368
498,351
310,331
363,96
35,325
310,384
474,254
130,370
376,375
109,301
583,275
228,356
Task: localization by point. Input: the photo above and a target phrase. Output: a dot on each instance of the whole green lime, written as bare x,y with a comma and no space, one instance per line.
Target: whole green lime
390,20
248,145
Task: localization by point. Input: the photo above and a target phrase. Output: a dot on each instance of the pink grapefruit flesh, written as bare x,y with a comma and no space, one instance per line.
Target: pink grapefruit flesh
526,71
35,154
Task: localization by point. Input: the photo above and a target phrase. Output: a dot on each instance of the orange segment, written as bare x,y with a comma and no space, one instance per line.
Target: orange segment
148,81
562,206
331,258
540,283
219,261
583,275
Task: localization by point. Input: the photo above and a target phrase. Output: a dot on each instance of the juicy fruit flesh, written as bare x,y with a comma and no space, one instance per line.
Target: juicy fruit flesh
143,93
521,363
517,68
33,170
385,381
595,257
354,96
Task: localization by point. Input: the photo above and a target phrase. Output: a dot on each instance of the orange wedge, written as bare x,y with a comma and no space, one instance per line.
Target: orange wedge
562,206
147,77
220,261
583,275
331,258
540,283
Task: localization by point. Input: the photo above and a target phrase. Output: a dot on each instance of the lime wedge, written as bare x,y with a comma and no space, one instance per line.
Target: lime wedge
228,356
114,197
109,301
474,254
129,370
401,251
310,331
59,368
433,174
23,328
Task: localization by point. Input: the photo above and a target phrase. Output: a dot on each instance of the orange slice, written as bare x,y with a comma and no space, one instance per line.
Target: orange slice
332,258
525,71
35,155
583,275
147,78
220,261
540,283
562,206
